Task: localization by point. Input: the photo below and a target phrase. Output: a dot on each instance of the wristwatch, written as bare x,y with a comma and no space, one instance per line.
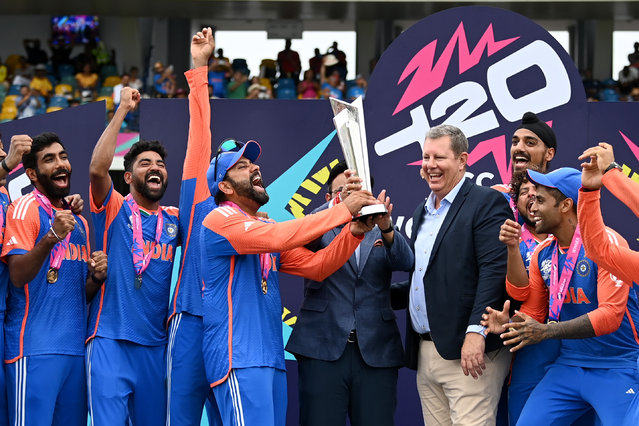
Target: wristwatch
388,230
612,165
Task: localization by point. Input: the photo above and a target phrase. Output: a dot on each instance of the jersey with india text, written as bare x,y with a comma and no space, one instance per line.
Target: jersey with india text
592,291
42,317
125,309
241,258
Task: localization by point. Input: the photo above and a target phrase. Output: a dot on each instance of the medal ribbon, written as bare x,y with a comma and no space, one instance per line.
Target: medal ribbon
1,221
527,238
60,248
559,287
513,207
265,258
140,260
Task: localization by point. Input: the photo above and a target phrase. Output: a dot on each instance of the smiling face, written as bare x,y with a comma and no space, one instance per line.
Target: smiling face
527,149
245,181
527,193
52,175
545,211
148,176
441,168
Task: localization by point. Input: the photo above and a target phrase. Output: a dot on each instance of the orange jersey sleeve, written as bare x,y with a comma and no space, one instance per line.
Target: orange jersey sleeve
612,297
317,266
624,188
248,235
110,207
502,187
22,226
604,246
198,148
535,295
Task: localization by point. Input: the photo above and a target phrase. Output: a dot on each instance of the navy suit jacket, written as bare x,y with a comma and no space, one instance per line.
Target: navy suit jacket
466,270
356,296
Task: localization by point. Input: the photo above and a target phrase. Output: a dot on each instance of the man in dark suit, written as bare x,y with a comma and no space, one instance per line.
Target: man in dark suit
346,340
460,268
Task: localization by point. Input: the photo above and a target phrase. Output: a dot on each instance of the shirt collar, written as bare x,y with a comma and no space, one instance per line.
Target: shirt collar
449,198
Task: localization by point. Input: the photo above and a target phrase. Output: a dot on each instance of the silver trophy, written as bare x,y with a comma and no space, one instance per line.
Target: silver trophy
349,122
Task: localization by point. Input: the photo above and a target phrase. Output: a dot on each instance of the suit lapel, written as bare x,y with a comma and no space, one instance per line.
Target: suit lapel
352,261
365,248
450,216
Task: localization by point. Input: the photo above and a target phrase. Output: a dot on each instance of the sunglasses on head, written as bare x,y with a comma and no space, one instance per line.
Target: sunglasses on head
227,145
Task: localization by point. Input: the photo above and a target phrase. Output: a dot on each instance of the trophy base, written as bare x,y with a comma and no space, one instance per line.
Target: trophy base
371,210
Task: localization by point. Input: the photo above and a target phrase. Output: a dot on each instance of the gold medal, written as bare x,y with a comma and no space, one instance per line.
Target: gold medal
264,286
52,275
138,282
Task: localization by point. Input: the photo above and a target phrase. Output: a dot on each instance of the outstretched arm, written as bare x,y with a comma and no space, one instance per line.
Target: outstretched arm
321,264
198,149
105,148
602,245
594,175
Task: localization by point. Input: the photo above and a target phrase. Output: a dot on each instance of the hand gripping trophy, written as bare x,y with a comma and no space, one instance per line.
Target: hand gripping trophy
349,122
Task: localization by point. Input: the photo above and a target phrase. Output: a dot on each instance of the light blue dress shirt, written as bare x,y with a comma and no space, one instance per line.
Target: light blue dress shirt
424,241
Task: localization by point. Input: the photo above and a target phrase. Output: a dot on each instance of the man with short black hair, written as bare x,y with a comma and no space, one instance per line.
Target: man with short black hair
588,309
242,254
346,340
46,247
187,387
127,322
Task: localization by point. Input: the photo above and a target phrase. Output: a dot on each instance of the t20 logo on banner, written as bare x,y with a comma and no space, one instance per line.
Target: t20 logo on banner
477,68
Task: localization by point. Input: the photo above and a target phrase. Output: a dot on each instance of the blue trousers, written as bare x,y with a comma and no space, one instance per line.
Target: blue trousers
47,390
253,397
566,392
4,412
187,387
125,383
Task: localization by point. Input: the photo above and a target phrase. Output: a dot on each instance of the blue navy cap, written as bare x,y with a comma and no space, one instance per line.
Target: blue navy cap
567,180
251,151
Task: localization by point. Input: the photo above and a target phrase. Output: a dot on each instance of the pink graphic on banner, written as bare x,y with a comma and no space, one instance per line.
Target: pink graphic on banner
124,142
428,77
633,147
496,147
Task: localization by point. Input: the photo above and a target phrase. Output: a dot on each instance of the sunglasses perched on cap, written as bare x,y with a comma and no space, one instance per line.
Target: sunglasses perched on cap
227,145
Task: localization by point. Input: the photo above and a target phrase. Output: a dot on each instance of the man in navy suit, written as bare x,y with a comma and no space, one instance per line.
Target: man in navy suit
346,340
460,268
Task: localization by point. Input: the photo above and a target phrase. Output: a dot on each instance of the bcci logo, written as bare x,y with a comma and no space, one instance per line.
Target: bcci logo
170,229
583,268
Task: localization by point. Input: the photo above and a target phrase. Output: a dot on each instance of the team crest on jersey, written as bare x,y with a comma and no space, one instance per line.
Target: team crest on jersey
583,268
545,268
171,229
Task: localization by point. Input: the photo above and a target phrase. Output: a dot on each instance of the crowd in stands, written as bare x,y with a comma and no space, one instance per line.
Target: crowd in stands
37,82
624,89
280,78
